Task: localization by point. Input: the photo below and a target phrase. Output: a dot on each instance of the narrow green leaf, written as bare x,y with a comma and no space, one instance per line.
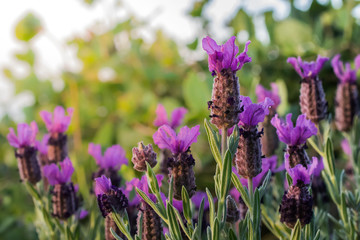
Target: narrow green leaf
232,234
234,141
289,179
120,224
214,143
315,147
173,224
296,232
114,234
244,193
329,157
226,175
265,183
32,191
171,189
257,212
317,236
151,204
331,188
186,204
151,177
182,225
139,225
211,208
47,219
208,232
200,217
216,232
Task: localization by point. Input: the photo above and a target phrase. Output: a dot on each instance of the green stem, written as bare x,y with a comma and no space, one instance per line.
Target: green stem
250,188
223,142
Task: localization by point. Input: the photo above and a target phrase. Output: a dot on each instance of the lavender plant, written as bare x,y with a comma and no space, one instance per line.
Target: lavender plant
243,138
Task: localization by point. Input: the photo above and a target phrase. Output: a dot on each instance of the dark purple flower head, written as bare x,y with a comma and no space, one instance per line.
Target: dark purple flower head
263,93
198,197
114,156
165,137
143,185
346,147
253,113
59,122
345,74
177,117
224,56
42,145
291,135
59,176
307,69
26,135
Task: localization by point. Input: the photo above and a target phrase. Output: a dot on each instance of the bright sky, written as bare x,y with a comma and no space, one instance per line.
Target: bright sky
62,19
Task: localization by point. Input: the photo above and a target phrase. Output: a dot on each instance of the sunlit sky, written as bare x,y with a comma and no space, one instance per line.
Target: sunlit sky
63,19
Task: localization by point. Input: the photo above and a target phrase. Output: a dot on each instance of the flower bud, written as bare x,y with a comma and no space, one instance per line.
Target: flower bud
270,140
346,105
57,147
232,212
113,199
297,155
151,223
64,202
141,155
28,165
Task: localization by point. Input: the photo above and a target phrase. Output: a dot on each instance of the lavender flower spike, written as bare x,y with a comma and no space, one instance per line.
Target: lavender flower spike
248,155
225,103
295,137
25,152
297,202
182,162
142,155
347,96
312,96
109,197
269,140
177,116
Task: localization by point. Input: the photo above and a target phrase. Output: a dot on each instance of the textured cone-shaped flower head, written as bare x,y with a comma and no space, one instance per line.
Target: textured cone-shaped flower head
248,155
223,62
57,147
297,202
114,156
150,222
269,140
57,122
232,212
142,155
59,176
110,198
64,201
26,135
177,117
181,165
312,96
347,96
165,156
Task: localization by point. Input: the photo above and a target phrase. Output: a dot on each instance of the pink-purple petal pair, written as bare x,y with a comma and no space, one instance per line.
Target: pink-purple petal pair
59,176
165,137
225,56
307,69
114,156
42,145
177,117
262,93
345,74
57,122
301,173
26,135
291,135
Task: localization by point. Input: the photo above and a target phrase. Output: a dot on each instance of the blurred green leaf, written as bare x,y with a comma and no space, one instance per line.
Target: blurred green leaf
28,27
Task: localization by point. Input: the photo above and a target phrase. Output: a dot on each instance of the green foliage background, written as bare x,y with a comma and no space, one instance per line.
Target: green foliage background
122,110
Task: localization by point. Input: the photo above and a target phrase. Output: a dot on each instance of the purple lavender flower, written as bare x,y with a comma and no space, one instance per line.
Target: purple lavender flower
82,214
198,197
142,155
177,116
114,156
42,145
347,96
166,137
59,176
224,56
182,162
57,122
312,96
25,153
263,93
291,135
26,135
109,197
253,112
307,69
345,75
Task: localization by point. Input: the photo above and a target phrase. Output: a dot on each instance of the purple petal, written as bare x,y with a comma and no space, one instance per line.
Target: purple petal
114,157
300,173
51,172
165,138
210,46
66,172
186,137
357,62
47,118
161,116
254,112
346,147
262,93
294,62
83,214
230,51
235,193
177,117
102,185
42,145
198,197
316,166
12,138
95,151
178,204
242,58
